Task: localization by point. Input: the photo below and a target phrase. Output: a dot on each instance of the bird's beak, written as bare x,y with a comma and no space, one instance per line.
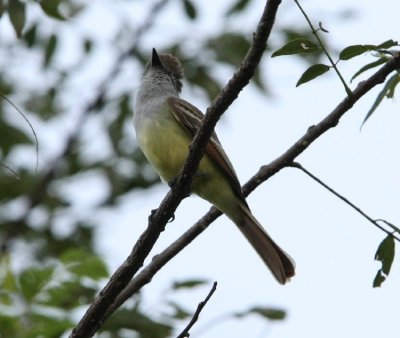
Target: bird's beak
155,60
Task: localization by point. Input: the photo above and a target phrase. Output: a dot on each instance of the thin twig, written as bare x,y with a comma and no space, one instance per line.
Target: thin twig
30,126
11,171
344,199
185,333
93,318
333,63
394,228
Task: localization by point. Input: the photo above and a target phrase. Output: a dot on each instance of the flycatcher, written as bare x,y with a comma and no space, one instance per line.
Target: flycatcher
165,126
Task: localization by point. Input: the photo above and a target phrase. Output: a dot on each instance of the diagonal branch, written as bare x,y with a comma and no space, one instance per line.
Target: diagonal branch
265,172
92,319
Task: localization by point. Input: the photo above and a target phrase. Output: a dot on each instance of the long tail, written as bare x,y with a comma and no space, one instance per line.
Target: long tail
278,261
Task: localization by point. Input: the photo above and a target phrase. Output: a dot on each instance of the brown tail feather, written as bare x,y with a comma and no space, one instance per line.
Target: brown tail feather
278,261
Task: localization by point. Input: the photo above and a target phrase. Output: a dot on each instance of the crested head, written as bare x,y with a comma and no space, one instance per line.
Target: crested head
164,64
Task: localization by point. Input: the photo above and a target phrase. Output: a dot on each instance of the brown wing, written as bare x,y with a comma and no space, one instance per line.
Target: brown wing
190,118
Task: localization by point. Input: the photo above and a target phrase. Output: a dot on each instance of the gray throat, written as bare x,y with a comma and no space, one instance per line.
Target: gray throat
155,87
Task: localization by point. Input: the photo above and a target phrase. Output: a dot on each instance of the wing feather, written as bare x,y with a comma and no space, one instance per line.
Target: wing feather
190,119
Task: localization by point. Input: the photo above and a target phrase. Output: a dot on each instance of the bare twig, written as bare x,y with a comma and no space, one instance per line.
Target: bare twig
93,318
10,171
392,226
185,333
344,199
265,172
30,126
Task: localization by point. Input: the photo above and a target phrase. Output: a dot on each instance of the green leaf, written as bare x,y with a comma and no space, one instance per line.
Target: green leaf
11,326
238,6
369,66
201,77
355,50
229,47
50,49
312,72
388,88
180,313
269,313
47,326
386,45
392,86
190,283
30,36
8,282
139,322
190,9
10,137
2,7
378,280
297,46
50,7
87,46
16,12
258,80
10,189
68,295
84,264
384,254
32,281
266,312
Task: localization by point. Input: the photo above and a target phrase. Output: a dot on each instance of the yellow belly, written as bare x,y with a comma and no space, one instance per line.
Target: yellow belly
165,144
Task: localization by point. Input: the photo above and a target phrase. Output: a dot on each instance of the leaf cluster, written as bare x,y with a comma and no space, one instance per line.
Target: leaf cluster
382,51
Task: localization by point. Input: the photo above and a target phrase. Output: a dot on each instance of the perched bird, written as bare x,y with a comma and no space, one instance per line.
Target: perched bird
165,126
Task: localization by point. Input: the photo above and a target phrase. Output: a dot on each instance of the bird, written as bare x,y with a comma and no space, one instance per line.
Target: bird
165,126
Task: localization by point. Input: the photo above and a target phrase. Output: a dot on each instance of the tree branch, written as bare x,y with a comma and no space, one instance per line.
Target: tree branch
265,172
93,318
185,332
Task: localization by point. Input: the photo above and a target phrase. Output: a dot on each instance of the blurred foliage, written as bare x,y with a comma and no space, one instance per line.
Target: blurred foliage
39,301
85,132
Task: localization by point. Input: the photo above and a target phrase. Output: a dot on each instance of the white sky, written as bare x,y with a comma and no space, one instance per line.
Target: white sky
331,295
